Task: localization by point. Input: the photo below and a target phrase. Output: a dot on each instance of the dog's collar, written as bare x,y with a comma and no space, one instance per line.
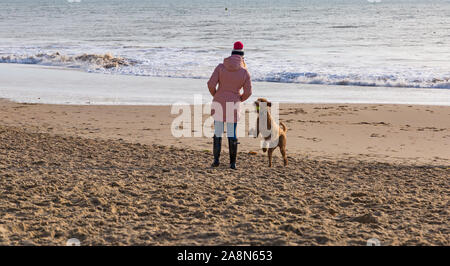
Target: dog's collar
257,108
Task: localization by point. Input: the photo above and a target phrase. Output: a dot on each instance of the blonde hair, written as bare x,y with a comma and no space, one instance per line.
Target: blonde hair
244,65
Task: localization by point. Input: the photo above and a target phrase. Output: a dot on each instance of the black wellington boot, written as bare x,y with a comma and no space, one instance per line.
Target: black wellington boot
217,145
232,146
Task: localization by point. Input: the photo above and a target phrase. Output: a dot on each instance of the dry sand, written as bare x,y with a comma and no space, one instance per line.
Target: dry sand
108,176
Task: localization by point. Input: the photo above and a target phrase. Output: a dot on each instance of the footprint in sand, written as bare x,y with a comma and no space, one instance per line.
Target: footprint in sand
375,135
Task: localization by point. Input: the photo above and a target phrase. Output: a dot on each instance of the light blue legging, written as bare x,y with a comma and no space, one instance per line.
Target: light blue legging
231,129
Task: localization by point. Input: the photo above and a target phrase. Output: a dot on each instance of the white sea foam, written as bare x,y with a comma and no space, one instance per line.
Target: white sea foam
109,64
84,61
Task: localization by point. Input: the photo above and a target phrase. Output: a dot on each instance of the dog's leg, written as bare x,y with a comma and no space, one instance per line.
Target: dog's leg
283,152
282,145
269,152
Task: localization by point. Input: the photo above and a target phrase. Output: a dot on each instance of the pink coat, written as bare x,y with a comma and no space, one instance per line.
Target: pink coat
231,76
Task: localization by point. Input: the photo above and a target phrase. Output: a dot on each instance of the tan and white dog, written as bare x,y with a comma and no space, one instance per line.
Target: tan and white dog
276,135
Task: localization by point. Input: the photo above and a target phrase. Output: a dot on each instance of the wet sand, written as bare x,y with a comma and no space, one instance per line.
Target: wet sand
412,134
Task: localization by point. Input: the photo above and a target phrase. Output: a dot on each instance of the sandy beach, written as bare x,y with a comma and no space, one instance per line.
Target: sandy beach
114,175
90,101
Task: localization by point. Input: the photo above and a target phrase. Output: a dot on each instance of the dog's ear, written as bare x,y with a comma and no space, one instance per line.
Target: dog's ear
269,104
256,103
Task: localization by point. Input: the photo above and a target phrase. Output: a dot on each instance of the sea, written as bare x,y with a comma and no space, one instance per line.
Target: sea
337,43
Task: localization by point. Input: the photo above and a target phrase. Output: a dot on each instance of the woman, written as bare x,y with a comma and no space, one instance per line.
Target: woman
231,76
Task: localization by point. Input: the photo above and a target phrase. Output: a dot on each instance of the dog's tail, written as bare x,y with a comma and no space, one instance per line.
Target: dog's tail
284,126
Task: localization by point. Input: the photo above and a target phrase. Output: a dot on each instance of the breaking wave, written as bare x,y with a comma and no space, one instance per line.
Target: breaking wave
87,61
107,63
357,80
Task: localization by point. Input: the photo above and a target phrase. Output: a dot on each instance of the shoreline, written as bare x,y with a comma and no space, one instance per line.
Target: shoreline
248,101
59,85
